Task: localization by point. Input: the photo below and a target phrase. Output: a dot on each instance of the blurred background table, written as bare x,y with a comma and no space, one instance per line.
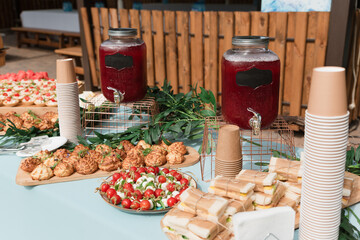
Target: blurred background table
54,19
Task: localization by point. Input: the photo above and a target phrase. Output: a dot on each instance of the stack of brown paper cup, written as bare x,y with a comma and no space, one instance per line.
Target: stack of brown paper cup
228,159
68,100
326,137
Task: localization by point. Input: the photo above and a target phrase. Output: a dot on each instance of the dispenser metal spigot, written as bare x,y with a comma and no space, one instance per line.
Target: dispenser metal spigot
255,122
118,96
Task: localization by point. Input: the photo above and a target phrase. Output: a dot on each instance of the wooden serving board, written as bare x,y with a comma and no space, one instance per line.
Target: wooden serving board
23,178
191,158
23,108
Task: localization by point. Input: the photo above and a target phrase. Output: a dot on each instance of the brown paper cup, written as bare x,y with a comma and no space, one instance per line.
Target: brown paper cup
229,146
227,169
328,92
65,70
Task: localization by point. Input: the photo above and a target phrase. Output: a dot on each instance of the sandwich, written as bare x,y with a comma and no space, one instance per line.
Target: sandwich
285,201
293,187
287,170
265,201
224,235
184,225
231,188
236,206
264,182
293,196
348,186
206,205
176,221
200,229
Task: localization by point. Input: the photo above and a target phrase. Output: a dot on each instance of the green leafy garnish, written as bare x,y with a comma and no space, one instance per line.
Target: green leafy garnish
147,151
347,230
14,135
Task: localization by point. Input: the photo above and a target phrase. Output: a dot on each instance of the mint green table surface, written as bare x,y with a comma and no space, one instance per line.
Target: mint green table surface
71,210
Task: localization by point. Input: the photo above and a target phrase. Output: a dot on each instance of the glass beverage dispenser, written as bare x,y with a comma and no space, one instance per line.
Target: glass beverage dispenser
123,66
250,83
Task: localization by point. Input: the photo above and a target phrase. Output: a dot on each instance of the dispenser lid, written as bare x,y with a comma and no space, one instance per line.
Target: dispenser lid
123,32
249,40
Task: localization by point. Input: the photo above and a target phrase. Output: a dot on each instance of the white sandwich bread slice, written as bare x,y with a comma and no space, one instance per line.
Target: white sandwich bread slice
264,201
205,229
293,187
178,220
190,226
287,170
264,182
293,196
348,186
284,201
236,206
206,205
231,188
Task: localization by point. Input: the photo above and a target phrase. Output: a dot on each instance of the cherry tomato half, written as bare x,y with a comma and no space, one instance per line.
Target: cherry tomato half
104,187
161,179
158,192
145,205
170,187
110,193
151,170
126,203
171,201
184,181
116,176
135,205
149,193
178,176
116,199
177,197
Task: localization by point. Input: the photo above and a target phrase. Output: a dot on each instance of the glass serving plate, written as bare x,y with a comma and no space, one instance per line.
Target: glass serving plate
192,183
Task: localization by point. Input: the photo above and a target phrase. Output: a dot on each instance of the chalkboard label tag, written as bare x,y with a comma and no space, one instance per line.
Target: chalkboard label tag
118,61
254,78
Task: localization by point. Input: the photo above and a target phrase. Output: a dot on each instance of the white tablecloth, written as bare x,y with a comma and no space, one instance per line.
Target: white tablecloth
51,19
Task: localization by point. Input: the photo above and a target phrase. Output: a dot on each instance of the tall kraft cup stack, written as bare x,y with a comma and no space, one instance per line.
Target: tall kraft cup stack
228,159
68,100
326,136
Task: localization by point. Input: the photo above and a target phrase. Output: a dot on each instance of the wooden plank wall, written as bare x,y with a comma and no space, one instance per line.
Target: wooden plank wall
354,67
186,47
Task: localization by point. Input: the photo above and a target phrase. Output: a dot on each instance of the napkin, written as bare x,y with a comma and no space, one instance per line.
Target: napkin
257,225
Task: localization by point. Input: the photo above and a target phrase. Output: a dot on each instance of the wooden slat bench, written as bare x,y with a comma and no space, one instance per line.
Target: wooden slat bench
42,37
73,52
2,52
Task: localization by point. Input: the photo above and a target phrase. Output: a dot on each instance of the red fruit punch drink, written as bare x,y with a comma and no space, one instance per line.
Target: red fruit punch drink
123,65
250,79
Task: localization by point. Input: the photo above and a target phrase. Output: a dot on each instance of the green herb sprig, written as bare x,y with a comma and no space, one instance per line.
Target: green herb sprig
181,116
353,160
347,230
15,136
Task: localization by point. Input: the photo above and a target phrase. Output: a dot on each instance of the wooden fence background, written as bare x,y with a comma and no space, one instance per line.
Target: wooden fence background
354,61
186,47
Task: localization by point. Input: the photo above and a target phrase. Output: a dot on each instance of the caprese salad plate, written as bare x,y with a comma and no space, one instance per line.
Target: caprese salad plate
145,190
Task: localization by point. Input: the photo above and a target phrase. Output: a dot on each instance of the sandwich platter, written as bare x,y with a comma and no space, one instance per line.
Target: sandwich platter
143,190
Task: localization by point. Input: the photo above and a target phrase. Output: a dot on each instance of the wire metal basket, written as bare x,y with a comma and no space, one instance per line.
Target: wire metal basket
105,117
256,150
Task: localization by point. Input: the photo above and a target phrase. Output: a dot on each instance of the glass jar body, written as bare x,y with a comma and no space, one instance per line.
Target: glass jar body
123,67
250,79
